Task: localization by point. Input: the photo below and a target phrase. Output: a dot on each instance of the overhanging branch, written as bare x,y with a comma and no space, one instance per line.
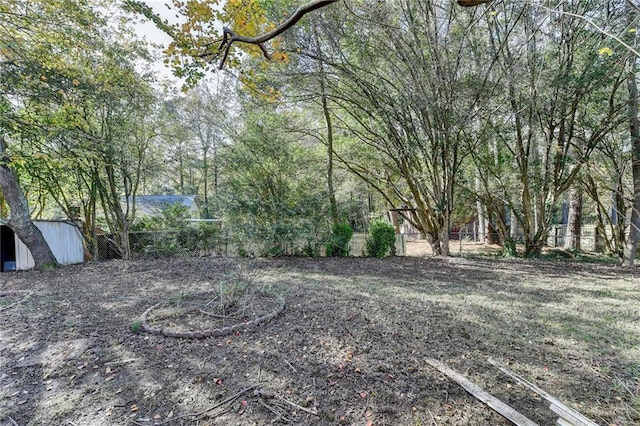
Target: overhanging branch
231,37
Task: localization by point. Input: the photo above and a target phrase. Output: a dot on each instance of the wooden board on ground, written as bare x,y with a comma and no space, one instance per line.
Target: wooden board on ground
505,410
567,414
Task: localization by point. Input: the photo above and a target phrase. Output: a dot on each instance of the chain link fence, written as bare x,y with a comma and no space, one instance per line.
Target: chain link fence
183,243
198,243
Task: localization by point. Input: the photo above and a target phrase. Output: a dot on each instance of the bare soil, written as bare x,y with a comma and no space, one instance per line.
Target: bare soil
349,347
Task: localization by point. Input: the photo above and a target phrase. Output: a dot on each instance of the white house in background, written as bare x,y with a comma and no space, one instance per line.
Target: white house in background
153,205
64,239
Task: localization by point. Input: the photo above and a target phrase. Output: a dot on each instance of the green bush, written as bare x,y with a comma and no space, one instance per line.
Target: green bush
338,244
381,240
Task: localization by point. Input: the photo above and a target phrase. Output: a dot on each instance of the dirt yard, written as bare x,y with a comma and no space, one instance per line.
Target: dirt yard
349,347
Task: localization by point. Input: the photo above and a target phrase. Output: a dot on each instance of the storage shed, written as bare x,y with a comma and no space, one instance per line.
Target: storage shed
64,239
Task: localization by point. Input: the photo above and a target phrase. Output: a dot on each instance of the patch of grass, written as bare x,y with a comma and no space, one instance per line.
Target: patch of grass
634,370
576,256
178,298
549,254
604,293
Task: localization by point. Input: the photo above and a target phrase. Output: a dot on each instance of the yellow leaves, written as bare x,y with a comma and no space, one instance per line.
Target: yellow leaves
273,94
196,35
201,11
280,57
246,17
42,156
251,49
249,83
269,93
605,51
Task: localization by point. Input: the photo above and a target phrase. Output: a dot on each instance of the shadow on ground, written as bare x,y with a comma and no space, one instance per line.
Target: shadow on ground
350,347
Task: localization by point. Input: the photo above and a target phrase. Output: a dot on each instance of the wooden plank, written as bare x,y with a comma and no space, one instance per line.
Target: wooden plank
484,396
563,422
578,418
569,417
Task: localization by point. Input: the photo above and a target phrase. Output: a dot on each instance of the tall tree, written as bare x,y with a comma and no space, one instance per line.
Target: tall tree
20,218
33,39
113,136
79,97
206,110
271,188
409,108
631,247
553,126
572,238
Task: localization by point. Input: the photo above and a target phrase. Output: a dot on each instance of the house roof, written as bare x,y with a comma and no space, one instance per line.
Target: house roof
154,204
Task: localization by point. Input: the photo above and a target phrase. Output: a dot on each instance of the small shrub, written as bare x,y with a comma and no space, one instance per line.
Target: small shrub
167,245
338,244
381,240
136,326
49,265
243,252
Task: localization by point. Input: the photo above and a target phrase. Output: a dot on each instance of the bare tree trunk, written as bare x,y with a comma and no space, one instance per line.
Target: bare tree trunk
482,215
118,220
330,188
333,205
444,241
20,219
574,222
492,234
436,248
205,178
634,129
513,225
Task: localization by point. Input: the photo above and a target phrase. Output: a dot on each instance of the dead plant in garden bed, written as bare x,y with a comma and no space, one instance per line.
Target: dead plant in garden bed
235,301
235,292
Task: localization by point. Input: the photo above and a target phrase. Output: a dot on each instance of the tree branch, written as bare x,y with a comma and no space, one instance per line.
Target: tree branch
593,24
231,37
472,3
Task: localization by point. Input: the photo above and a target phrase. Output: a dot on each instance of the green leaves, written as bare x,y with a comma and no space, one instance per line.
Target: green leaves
381,240
272,191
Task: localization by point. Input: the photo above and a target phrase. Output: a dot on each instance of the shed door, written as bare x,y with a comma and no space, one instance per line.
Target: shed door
7,246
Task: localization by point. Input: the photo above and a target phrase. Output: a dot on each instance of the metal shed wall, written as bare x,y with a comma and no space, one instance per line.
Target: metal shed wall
64,239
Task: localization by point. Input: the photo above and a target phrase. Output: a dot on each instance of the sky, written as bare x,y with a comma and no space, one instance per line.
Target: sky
148,30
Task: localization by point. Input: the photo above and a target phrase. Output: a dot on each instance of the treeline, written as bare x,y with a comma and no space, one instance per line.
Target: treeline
503,113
